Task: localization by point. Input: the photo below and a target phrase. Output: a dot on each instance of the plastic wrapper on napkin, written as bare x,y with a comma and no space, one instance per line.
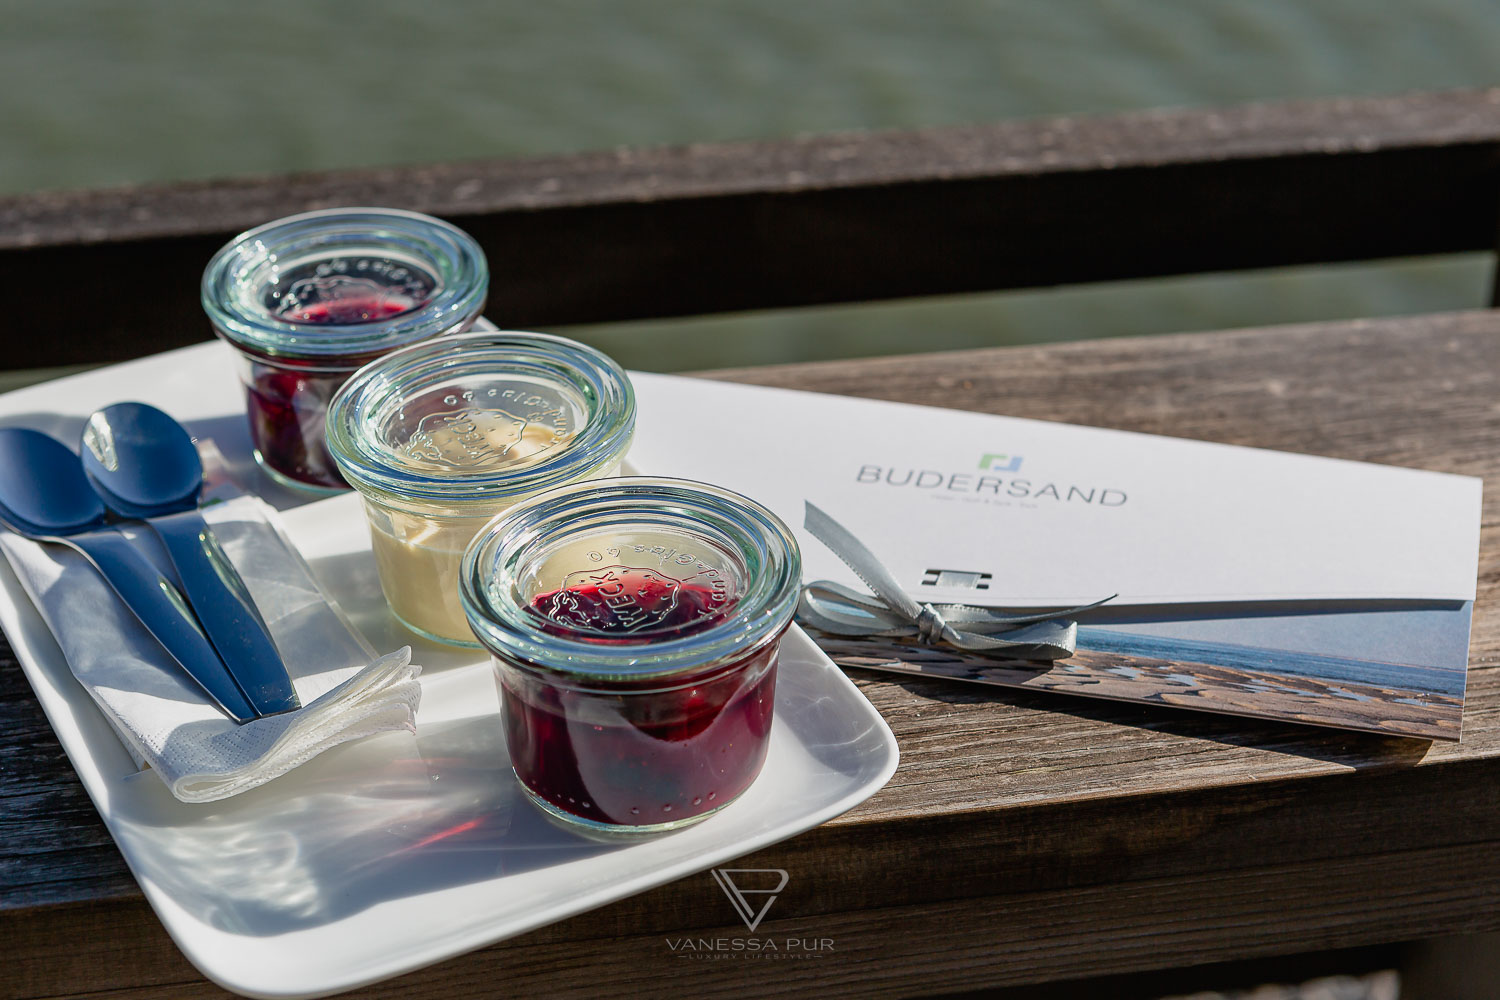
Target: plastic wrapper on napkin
162,716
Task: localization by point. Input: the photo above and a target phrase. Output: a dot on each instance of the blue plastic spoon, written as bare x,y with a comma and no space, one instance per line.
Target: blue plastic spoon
144,465
45,496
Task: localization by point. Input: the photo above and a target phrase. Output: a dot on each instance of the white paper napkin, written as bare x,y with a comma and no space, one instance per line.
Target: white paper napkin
163,717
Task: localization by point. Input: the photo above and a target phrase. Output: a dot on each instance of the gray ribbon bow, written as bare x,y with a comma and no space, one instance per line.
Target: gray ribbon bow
833,608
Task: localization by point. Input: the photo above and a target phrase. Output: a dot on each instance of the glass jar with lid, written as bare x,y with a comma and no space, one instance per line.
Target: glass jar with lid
308,299
441,436
634,626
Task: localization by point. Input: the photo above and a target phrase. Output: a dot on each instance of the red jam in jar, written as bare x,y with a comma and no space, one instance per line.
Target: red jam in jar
286,405
307,300
663,755
634,625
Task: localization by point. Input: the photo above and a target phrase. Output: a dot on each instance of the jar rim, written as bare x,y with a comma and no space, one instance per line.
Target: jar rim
761,611
372,467
454,256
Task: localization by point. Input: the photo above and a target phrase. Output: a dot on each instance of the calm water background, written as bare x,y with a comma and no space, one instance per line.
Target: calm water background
100,93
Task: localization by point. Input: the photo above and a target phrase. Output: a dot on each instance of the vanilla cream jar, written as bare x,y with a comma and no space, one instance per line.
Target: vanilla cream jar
440,437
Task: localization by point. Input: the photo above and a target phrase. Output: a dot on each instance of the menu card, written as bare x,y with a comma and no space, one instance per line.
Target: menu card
1253,582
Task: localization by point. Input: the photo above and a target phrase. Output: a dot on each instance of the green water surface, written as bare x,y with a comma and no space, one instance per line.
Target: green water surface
97,93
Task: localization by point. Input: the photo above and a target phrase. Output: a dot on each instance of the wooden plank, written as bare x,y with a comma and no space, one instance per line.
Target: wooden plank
1006,939
983,942
1342,970
841,218
1010,810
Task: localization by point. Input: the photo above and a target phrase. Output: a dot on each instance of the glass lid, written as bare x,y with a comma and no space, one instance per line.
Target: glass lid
481,415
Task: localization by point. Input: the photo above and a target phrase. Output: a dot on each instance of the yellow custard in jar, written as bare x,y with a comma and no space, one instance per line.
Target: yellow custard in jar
440,438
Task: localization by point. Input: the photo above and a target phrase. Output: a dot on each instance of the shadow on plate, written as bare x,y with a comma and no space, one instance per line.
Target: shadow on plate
366,823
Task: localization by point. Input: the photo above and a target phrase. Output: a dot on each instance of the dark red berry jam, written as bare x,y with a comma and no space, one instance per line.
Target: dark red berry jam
287,406
621,604
362,309
346,289
288,400
638,753
307,299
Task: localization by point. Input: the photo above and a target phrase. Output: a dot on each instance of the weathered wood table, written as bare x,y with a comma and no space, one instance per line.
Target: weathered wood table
1025,838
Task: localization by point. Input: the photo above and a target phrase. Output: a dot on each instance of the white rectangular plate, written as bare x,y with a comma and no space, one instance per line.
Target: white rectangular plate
393,853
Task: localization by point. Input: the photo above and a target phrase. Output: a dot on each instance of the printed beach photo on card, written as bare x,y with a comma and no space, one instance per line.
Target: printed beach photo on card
1398,671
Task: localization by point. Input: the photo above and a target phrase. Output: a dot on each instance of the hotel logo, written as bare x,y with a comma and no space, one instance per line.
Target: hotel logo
1000,463
995,482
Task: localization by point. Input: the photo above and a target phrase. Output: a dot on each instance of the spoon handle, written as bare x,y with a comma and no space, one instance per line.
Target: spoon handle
160,607
227,611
